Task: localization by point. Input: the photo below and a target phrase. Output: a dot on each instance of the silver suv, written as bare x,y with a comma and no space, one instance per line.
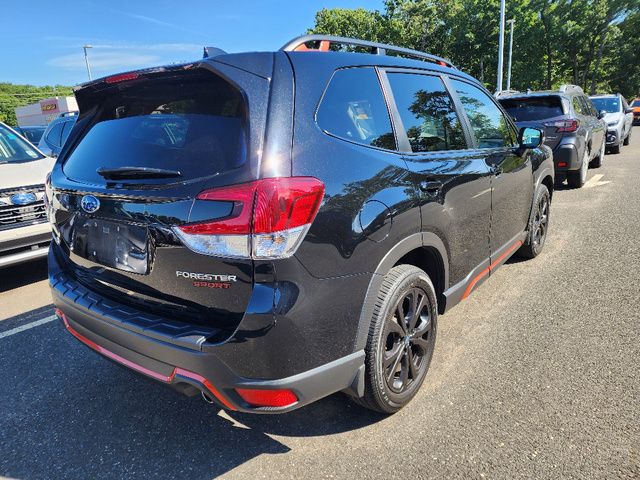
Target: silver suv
24,230
619,118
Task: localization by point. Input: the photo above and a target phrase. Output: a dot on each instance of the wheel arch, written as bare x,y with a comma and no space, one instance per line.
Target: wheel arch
424,250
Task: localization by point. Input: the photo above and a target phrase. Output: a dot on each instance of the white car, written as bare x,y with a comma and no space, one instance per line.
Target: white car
619,118
24,229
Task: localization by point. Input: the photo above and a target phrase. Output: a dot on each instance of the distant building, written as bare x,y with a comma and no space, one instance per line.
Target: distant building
42,112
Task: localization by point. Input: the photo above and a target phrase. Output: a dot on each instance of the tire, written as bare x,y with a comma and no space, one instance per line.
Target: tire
597,162
394,344
538,224
615,149
576,179
627,139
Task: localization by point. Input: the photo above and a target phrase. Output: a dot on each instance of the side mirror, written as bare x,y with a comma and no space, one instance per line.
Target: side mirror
530,137
601,114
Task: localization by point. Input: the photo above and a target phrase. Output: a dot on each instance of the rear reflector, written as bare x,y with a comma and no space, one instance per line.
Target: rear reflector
268,398
123,77
269,219
562,164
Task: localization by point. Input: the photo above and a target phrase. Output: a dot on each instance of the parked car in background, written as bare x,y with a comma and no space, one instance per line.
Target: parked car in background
57,133
619,117
33,134
635,106
573,128
223,229
25,232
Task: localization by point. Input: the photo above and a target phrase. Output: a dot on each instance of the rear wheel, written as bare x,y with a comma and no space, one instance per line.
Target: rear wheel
597,162
401,339
627,139
615,149
538,224
577,178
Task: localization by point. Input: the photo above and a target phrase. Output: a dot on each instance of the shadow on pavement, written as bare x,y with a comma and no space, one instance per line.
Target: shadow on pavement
68,413
23,274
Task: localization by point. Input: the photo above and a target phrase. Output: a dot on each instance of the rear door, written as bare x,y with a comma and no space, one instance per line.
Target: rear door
598,126
454,181
512,183
141,152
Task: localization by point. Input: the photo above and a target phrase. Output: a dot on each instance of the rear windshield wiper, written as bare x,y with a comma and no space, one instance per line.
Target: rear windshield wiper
121,173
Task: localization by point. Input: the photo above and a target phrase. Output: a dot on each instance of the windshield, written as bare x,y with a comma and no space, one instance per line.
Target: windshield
636,103
533,108
14,149
608,104
193,124
33,134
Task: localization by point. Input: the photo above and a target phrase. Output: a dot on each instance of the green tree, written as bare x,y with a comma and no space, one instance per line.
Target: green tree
12,96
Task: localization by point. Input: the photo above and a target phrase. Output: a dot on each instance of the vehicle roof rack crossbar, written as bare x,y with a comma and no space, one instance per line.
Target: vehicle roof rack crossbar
323,44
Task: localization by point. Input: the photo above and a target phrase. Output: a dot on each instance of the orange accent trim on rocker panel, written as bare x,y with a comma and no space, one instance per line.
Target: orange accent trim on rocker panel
493,265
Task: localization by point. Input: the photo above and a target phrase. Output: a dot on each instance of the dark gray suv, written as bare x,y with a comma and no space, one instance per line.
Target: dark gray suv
573,128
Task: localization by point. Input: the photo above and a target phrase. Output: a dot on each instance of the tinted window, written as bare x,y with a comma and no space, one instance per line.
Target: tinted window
66,129
427,112
33,134
608,104
588,106
636,103
14,149
53,137
490,126
533,108
353,108
193,123
578,106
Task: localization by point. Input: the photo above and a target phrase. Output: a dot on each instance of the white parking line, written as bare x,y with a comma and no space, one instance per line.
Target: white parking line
595,181
22,328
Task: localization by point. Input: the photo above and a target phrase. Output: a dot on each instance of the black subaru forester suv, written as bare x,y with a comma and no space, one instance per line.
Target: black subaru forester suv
270,228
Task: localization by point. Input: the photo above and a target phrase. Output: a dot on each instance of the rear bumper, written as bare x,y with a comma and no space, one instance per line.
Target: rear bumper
173,358
565,157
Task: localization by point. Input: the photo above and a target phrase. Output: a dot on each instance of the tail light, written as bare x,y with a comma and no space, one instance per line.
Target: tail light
564,125
269,219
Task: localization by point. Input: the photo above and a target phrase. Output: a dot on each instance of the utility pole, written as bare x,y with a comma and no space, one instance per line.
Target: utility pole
501,47
512,22
86,59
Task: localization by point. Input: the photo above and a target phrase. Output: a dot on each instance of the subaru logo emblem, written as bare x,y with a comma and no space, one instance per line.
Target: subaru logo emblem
90,204
23,198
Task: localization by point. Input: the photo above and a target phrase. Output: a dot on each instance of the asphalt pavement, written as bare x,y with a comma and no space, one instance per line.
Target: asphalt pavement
536,375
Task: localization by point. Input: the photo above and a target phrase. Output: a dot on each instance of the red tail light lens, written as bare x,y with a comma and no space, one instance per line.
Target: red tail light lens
269,219
268,398
564,125
123,77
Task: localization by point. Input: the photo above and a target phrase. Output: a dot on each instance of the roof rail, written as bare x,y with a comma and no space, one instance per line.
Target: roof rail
567,87
504,93
324,42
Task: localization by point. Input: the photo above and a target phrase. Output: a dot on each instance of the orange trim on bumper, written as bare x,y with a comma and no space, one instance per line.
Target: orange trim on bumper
495,264
139,368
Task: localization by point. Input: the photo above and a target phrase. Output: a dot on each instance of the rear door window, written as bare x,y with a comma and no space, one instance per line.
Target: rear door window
489,124
533,108
427,111
66,130
578,106
353,108
193,123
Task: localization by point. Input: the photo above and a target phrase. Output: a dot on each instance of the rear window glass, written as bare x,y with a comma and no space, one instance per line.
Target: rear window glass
14,149
193,123
533,108
353,108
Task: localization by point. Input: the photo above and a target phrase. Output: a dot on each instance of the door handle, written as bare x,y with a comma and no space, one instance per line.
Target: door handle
433,186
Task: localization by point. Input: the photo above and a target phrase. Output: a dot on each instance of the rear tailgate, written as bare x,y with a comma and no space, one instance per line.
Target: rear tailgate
539,112
146,144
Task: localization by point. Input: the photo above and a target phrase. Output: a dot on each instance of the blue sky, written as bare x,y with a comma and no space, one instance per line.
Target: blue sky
41,40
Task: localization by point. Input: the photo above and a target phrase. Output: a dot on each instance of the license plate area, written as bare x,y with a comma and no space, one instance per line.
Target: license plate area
112,244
